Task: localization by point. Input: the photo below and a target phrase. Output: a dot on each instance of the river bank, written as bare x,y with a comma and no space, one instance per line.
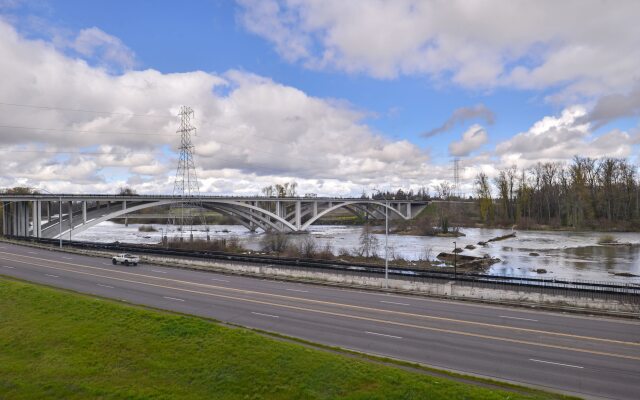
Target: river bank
567,255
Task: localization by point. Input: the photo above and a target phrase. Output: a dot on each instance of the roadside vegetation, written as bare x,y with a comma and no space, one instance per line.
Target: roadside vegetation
56,344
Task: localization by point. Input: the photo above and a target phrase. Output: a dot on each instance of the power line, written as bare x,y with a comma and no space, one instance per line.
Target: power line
85,132
84,111
69,152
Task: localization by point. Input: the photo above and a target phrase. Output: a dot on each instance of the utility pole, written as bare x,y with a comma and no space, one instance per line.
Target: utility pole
186,183
455,261
386,244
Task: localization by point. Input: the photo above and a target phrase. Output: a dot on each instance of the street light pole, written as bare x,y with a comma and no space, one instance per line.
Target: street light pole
60,219
386,244
455,259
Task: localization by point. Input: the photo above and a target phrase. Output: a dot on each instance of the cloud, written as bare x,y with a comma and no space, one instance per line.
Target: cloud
462,115
583,48
472,140
614,106
251,134
94,42
560,138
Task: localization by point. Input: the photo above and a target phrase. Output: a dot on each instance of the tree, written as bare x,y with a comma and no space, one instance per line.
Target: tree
368,242
483,191
126,191
288,189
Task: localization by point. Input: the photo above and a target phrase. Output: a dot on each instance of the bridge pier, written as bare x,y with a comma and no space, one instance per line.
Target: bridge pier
5,218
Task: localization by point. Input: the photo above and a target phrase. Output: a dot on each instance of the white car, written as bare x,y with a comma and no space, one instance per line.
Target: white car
125,259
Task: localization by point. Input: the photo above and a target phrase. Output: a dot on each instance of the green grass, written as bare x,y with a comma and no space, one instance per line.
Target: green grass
56,344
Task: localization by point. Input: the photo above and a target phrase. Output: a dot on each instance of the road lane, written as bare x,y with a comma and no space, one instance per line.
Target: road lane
610,362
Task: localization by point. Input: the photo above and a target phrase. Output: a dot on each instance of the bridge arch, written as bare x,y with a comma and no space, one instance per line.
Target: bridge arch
228,207
346,204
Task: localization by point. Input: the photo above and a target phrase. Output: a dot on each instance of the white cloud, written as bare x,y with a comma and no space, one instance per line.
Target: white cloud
580,47
251,134
472,139
94,42
560,138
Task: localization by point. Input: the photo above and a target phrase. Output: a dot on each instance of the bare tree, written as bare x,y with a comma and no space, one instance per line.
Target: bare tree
368,242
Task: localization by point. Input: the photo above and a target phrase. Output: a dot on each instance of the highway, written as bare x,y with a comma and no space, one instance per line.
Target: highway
587,356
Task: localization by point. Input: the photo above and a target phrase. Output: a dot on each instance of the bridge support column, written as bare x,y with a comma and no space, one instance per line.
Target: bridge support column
5,218
298,215
14,219
39,205
70,205
34,218
279,214
84,212
315,209
24,219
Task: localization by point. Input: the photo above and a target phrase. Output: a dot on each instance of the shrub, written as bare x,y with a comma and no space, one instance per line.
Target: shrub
147,228
607,238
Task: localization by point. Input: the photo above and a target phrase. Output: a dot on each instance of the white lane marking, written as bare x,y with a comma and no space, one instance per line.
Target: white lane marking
382,334
298,290
265,315
6,266
32,252
172,298
521,319
393,302
107,264
53,276
68,258
555,363
107,286
155,270
219,280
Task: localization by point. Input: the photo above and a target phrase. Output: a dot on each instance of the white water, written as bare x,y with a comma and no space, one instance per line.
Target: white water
568,255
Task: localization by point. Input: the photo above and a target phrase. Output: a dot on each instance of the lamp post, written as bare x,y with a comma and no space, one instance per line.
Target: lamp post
386,240
455,259
386,244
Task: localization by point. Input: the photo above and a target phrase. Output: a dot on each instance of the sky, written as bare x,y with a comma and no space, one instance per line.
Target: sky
341,97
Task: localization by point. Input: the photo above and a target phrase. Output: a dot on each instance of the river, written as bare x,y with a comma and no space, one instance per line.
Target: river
566,255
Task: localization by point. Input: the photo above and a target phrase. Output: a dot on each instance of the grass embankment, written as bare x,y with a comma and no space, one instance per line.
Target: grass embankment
56,344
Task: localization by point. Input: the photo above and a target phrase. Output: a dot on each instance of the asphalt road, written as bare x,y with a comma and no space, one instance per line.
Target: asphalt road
587,356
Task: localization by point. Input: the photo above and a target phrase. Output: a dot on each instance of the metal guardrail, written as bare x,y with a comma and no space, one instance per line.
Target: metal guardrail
496,281
71,196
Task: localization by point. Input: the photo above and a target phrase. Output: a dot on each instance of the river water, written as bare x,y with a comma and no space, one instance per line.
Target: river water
566,255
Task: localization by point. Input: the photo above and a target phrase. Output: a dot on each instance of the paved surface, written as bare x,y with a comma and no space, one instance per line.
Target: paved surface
587,356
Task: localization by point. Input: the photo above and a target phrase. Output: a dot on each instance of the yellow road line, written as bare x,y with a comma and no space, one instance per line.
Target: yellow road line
371,309
350,316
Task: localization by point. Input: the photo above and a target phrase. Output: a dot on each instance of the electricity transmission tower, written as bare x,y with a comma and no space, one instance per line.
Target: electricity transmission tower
186,183
456,177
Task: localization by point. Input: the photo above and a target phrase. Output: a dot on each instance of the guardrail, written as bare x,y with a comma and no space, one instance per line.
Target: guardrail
554,286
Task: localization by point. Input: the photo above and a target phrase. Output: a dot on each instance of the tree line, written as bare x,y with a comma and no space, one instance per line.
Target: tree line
585,193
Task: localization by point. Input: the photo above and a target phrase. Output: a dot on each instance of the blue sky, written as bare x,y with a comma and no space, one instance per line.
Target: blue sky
396,95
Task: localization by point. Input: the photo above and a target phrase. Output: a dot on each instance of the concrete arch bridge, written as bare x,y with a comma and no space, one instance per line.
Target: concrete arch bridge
39,215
